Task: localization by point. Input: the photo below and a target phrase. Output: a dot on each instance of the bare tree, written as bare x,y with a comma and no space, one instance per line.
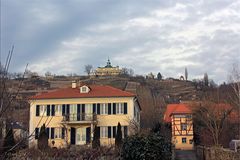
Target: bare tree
48,74
127,72
130,72
88,68
7,97
186,74
234,98
213,117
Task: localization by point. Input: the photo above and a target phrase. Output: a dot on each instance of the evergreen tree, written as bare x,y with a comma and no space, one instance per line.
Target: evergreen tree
43,138
205,79
118,138
186,74
159,76
8,140
96,138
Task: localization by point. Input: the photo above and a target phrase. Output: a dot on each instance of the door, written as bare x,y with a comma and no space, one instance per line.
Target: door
73,135
88,135
80,136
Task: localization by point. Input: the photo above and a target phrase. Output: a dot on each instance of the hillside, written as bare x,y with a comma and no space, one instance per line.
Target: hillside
153,94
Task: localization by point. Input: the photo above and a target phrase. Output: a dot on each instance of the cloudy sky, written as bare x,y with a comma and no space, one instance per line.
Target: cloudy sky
61,36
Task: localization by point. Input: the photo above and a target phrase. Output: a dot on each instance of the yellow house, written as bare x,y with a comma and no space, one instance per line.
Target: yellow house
108,70
71,114
180,117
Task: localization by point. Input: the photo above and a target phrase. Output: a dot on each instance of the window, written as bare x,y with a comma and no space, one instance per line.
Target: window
111,131
183,126
84,89
179,116
124,131
190,141
55,133
138,117
189,116
104,132
58,133
65,109
58,110
103,108
43,110
184,140
119,108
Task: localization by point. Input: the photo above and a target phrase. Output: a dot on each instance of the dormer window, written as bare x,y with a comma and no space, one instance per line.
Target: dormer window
84,89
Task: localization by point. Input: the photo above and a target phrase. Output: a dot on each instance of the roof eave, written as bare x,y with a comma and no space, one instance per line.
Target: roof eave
80,97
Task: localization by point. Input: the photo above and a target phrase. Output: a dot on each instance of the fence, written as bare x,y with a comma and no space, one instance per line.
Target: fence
216,153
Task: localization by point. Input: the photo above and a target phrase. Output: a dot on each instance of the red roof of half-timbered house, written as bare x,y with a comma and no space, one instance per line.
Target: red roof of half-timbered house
176,109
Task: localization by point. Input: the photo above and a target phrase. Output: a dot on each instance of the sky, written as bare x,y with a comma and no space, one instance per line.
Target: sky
62,36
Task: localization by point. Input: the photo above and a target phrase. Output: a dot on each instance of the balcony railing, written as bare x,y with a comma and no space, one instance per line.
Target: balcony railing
84,117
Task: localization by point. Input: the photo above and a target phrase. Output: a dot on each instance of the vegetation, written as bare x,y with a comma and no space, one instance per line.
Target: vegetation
159,76
118,138
186,74
127,72
43,138
82,152
88,68
96,138
9,141
205,79
152,146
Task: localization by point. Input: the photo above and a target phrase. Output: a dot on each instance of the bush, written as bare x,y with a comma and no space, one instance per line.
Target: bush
153,146
43,138
9,141
118,139
96,138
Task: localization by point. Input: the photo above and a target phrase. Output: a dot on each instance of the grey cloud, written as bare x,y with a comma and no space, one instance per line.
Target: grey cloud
69,34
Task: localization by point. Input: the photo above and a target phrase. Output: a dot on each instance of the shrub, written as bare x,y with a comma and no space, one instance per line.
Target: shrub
153,146
96,138
8,140
118,139
43,138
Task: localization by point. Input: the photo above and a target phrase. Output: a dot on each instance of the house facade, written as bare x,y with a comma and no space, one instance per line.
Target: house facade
180,117
71,114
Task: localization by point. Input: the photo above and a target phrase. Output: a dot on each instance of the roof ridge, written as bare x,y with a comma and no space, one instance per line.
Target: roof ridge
96,91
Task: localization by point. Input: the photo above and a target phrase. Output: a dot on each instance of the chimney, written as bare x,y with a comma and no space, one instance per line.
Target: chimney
74,84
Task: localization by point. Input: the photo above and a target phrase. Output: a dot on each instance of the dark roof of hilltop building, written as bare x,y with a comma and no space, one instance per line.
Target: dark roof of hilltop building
96,91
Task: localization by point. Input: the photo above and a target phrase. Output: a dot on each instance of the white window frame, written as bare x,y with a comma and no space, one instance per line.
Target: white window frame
119,108
43,110
103,108
84,89
58,110
104,132
57,133
88,108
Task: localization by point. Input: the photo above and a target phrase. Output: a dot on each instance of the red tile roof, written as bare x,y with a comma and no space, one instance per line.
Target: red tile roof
175,109
95,91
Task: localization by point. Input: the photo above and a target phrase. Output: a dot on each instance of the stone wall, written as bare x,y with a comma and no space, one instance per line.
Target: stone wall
216,153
